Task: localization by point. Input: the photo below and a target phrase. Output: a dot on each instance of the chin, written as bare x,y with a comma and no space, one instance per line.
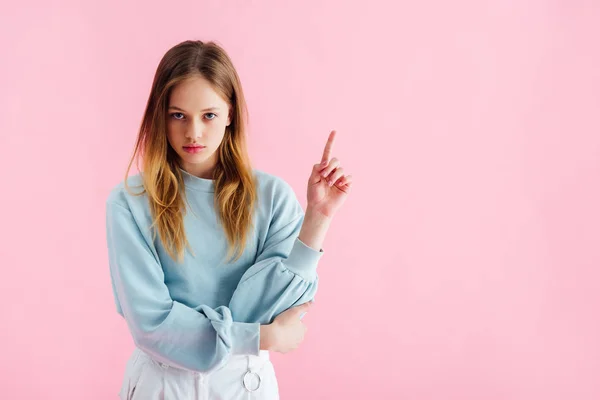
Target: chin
194,161
200,158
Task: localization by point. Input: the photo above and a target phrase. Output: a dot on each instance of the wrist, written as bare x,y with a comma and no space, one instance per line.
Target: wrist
314,229
316,217
267,339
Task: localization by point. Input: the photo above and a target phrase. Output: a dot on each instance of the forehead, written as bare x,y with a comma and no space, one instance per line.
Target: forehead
195,94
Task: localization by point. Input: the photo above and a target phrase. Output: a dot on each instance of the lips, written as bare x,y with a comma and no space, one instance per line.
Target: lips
193,149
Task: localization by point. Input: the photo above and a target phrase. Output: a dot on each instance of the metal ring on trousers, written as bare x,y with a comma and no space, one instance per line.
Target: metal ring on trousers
250,373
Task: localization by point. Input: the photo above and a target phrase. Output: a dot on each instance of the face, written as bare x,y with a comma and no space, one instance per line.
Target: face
196,121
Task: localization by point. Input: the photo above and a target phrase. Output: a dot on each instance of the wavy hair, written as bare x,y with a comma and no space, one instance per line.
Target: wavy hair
235,187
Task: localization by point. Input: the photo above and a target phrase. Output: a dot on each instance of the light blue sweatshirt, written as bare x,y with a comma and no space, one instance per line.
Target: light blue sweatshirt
196,314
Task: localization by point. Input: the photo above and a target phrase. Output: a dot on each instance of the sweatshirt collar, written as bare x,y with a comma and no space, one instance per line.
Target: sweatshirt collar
193,182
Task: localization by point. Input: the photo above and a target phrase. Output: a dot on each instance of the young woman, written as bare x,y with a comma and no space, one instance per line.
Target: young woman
213,263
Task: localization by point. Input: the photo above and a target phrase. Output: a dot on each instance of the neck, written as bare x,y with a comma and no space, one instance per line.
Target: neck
203,171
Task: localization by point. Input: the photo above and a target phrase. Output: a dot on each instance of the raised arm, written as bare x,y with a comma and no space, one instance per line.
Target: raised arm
285,272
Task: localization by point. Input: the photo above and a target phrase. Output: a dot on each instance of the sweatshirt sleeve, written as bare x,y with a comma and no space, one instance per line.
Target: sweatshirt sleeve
285,272
198,339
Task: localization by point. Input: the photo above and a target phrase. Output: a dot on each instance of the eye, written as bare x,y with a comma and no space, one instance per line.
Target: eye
214,115
174,115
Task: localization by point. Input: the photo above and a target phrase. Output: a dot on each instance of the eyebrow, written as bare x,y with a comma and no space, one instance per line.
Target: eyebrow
206,109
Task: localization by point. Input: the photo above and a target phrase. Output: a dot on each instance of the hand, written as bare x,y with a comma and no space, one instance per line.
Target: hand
328,186
286,332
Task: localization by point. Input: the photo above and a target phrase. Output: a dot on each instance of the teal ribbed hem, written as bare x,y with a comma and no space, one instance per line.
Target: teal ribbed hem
303,260
245,338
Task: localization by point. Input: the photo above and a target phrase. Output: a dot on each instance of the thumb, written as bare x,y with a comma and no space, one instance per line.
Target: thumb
303,308
315,175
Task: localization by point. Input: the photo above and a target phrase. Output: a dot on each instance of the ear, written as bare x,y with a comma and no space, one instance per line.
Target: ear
229,116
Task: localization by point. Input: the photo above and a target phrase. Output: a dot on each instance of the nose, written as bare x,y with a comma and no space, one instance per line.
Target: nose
194,130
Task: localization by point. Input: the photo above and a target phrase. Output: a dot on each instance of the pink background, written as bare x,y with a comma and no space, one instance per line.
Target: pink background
465,264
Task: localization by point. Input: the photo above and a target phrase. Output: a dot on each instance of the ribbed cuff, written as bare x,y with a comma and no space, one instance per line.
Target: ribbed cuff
245,338
303,260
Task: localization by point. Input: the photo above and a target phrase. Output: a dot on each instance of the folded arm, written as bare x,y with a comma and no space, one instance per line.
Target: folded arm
198,339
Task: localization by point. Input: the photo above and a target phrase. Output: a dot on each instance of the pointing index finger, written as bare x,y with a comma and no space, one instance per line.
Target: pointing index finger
328,147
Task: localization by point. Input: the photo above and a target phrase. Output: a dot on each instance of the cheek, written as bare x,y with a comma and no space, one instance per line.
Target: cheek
174,141
215,132
174,132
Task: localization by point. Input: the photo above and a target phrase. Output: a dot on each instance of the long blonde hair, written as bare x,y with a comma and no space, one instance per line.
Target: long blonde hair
235,187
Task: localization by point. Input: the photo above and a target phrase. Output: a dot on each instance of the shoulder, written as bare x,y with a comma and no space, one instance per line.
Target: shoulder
127,196
273,185
276,193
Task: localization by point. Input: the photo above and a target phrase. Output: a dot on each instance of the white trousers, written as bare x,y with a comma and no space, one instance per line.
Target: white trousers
243,377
